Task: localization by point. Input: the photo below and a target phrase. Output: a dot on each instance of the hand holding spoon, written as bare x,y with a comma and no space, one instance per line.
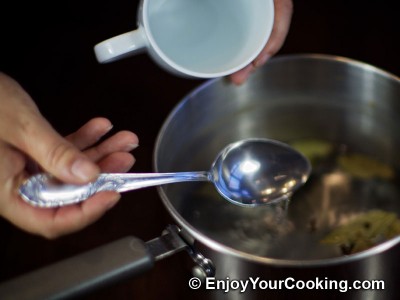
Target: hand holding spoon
250,172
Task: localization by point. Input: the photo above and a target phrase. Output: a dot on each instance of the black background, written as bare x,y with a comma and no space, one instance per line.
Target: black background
48,48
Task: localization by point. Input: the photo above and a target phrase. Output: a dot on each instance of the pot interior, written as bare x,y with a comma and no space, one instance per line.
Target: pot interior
345,114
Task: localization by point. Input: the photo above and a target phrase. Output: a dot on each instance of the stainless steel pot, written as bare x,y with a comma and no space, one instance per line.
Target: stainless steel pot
272,248
335,99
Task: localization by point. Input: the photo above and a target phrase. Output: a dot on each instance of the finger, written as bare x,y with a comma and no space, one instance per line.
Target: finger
123,141
52,223
283,16
75,217
241,76
117,162
90,133
282,20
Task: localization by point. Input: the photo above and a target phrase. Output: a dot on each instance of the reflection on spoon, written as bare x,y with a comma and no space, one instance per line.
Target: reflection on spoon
250,172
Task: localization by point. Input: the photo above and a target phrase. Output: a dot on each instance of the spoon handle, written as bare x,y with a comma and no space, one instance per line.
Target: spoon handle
131,181
43,191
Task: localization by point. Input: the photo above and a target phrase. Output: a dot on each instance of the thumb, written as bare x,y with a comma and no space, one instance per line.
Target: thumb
54,153
22,126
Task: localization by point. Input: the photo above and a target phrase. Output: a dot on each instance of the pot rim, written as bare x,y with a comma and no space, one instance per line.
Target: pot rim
217,246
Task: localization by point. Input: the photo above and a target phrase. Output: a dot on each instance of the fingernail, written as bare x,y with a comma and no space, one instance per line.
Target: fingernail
130,147
261,60
84,169
107,130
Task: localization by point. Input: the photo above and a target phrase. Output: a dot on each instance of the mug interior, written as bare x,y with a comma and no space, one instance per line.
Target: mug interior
208,38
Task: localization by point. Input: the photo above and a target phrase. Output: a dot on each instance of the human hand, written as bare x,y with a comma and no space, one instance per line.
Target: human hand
26,138
283,16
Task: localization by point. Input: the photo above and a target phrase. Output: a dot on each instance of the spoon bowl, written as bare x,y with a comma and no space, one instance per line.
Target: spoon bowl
250,172
259,171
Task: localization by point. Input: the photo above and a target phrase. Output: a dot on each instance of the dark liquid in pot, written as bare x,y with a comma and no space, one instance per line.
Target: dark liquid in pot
334,195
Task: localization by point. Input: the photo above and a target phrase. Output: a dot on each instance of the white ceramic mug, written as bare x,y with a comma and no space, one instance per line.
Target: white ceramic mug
195,38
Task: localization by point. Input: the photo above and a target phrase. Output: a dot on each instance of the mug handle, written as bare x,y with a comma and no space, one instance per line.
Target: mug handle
120,46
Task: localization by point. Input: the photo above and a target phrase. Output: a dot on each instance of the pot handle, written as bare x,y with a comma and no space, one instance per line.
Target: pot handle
82,273
96,268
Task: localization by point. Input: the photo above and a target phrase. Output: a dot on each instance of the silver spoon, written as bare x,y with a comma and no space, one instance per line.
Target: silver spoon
248,173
